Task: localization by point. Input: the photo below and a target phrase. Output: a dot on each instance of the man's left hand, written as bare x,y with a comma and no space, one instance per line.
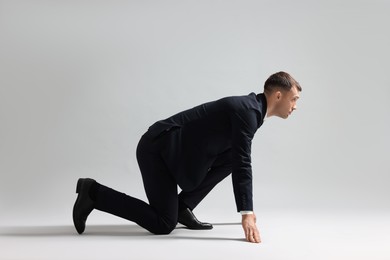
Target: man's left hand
252,234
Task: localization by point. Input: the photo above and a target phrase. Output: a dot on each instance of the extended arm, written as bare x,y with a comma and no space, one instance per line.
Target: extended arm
244,127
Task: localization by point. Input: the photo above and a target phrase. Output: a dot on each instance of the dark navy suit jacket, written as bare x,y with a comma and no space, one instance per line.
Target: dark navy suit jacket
198,135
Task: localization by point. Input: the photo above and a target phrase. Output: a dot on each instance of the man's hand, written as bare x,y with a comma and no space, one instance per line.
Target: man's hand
249,225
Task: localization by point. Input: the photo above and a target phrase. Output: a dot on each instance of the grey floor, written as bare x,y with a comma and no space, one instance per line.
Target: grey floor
286,234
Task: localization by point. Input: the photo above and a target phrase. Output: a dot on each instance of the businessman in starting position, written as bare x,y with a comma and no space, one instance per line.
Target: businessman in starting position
195,150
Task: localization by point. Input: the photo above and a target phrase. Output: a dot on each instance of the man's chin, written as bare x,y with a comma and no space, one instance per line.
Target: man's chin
283,116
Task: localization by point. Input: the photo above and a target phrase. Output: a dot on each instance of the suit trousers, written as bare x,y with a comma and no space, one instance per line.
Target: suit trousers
160,215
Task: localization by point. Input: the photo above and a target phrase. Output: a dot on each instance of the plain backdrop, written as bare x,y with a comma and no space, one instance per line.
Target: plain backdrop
81,81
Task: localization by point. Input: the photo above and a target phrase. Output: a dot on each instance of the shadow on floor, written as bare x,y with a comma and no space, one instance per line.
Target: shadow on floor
105,230
97,230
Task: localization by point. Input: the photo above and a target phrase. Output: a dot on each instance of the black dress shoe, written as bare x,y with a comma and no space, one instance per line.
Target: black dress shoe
83,205
188,219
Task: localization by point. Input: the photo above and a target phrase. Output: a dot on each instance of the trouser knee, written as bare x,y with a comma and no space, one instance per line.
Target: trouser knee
164,229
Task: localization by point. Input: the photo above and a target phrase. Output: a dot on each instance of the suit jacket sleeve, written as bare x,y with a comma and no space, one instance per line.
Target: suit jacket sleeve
244,126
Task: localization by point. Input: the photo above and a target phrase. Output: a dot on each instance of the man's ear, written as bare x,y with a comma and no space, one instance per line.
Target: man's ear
278,95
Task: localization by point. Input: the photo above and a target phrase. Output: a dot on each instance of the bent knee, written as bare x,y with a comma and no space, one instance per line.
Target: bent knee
164,229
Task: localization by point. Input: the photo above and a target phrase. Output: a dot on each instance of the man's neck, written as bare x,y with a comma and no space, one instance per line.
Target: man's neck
269,107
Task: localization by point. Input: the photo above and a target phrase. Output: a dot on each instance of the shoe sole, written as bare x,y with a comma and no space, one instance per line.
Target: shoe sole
79,187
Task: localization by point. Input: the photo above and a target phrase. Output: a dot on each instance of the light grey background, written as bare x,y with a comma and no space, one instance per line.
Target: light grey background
82,80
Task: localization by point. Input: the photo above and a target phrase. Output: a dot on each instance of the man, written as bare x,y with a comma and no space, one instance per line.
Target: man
195,150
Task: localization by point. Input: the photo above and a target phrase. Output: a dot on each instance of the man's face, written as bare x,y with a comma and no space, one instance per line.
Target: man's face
287,102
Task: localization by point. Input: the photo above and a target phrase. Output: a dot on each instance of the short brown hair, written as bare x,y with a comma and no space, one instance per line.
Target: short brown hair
281,80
